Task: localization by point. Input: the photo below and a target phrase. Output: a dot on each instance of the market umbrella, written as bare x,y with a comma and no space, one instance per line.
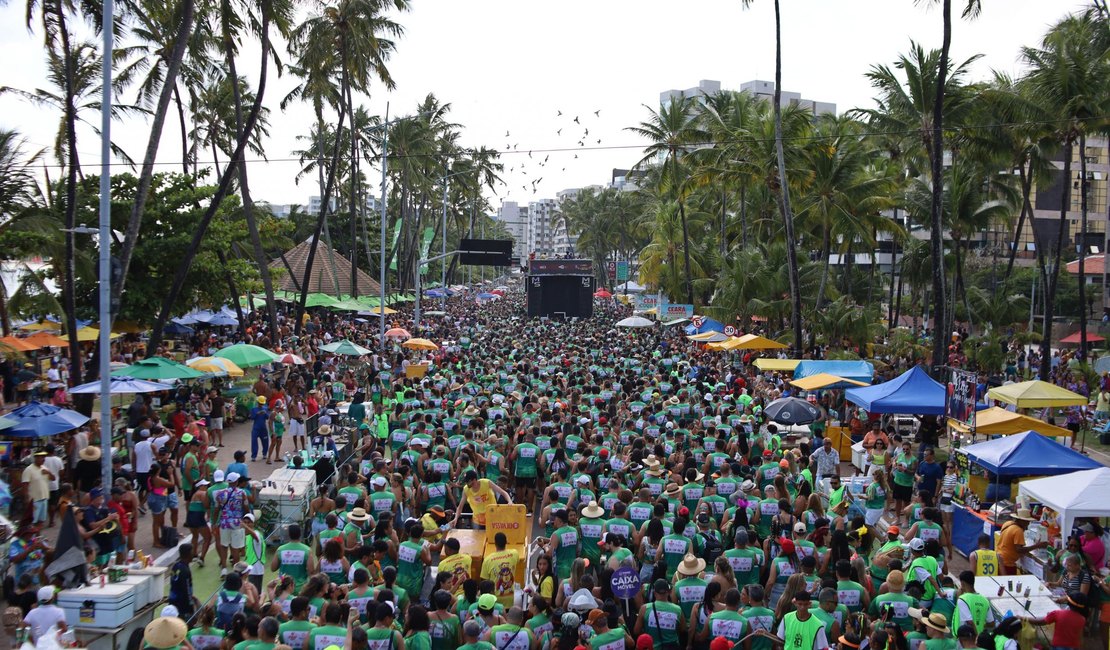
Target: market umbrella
345,348
158,368
1075,339
419,344
17,344
378,311
709,337
215,366
602,293
635,321
176,328
756,342
42,326
397,333
124,386
37,420
46,340
87,333
791,411
246,355
290,360
1036,394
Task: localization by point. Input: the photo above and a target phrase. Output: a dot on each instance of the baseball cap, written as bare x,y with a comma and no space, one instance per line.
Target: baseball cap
46,594
233,477
487,602
218,475
249,516
96,492
893,530
379,481
213,450
703,518
917,544
595,616
169,610
800,528
787,545
767,453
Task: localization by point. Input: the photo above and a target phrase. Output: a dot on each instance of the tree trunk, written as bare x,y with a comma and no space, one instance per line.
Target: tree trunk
221,191
184,130
724,219
353,207
936,161
898,294
68,276
234,293
244,190
1026,177
1054,273
871,271
893,262
1082,245
784,196
826,244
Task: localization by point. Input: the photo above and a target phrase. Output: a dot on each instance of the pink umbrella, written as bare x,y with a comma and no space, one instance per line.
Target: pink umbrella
398,333
290,359
602,293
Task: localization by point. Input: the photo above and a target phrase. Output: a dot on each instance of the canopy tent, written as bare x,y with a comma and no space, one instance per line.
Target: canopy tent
629,287
158,368
17,344
757,342
709,337
319,300
707,325
825,381
730,343
857,370
997,421
1027,454
912,392
780,365
1060,494
88,333
1075,339
1036,394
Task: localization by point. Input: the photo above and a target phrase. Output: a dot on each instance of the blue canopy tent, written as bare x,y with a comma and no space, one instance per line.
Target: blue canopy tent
857,370
912,392
707,325
37,420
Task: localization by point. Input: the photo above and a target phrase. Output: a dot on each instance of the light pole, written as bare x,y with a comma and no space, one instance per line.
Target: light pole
105,243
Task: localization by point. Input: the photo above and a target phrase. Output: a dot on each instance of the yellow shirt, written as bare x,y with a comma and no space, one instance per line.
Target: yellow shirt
500,567
481,499
1009,539
429,524
457,565
986,562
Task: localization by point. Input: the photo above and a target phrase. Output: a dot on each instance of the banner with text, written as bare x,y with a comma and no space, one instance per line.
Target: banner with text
425,248
961,397
674,312
644,302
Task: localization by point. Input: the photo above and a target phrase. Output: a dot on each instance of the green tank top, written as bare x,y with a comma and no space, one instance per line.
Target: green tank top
382,501
410,568
611,640
188,477
727,623
524,465
293,559
591,534
445,633
661,622
419,641
801,635
196,506
567,551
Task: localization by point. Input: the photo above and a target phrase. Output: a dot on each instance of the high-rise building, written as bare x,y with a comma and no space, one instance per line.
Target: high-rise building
542,218
313,207
515,219
757,87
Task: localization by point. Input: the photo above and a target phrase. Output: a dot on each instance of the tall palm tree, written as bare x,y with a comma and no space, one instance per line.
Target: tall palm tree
669,131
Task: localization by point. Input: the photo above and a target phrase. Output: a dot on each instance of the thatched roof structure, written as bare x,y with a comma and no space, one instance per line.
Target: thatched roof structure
329,271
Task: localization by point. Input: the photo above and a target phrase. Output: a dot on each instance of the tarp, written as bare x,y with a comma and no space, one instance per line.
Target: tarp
1036,394
997,421
857,370
781,365
1062,494
1028,454
912,392
631,286
824,380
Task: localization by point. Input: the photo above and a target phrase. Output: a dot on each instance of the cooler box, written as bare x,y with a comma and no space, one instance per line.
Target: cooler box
143,595
286,475
472,543
109,606
290,490
513,521
159,582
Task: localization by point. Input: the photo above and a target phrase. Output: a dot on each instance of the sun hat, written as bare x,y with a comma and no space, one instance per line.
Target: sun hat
261,399
1023,514
691,565
324,430
935,620
593,510
581,600
358,514
187,438
165,632
748,485
673,490
90,453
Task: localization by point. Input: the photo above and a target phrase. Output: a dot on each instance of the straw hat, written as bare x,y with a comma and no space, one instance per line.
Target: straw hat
934,620
90,453
471,411
165,632
651,462
691,565
593,511
358,514
673,491
1024,514
671,401
324,430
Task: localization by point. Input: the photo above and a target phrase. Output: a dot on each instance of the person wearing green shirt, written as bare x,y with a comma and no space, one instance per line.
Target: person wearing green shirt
413,558
512,634
383,634
382,499
471,630
206,634
716,503
604,637
923,568
850,593
294,559
190,468
349,494
420,638
830,612
744,560
759,618
767,471
618,525
905,466
800,629
692,491
674,547
268,629
640,510
937,632
896,600
728,622
591,525
891,549
331,632
435,490
524,459
972,607
661,618
874,500
444,625
690,587
767,511
294,631
565,542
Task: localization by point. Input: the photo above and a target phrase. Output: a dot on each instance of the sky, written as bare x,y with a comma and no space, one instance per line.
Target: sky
510,66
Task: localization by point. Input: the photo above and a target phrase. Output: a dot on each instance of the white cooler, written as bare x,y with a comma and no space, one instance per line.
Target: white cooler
142,584
159,582
293,490
109,606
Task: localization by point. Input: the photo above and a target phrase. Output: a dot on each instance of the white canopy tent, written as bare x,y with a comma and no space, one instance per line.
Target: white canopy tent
629,287
1079,494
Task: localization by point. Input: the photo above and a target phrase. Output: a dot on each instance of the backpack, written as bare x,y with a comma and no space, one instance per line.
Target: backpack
711,548
227,608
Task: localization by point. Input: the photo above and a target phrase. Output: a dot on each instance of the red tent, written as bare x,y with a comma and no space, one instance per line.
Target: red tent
1075,339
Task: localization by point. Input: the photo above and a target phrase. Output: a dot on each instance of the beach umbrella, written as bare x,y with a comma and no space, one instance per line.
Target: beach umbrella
42,326
157,368
92,334
378,311
215,366
246,355
602,293
174,327
419,344
123,386
345,348
37,420
791,410
635,321
219,320
399,333
46,340
290,360
17,344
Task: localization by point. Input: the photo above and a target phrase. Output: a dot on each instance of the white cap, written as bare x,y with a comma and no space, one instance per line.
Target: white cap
917,544
249,516
379,481
582,480
218,475
709,397
201,483
144,433
46,594
213,450
169,610
233,477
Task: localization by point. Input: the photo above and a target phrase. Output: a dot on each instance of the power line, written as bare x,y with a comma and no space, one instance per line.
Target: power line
703,143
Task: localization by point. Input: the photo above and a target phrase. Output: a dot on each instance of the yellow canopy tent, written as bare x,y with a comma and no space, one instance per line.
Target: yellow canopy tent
709,337
1036,394
92,334
42,326
997,421
781,365
756,342
725,345
824,380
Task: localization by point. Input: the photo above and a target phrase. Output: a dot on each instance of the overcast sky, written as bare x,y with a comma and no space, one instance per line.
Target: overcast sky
511,65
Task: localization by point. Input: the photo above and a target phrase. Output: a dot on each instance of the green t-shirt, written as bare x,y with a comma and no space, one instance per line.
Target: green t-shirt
675,548
689,592
611,640
293,633
850,594
410,568
760,618
729,624
904,477
661,622
745,564
445,633
898,602
567,551
325,635
510,637
293,559
201,638
591,530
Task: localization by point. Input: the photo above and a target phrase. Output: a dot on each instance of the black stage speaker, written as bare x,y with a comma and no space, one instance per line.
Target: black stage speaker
561,296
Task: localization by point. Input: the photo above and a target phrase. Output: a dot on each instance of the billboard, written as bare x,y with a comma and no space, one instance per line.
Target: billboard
644,302
486,252
960,404
675,312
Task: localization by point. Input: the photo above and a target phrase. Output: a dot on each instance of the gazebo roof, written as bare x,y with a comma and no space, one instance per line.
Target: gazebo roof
330,271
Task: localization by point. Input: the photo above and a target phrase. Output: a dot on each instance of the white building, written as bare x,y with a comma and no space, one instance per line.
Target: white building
515,219
542,218
757,87
313,207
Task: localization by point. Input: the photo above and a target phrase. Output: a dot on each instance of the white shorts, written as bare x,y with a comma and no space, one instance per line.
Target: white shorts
295,428
216,423
233,537
871,516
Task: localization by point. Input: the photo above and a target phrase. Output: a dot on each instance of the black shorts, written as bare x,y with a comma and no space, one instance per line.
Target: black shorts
195,519
54,497
143,479
902,492
525,481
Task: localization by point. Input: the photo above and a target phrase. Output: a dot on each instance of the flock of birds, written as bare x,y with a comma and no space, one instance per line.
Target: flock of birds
570,126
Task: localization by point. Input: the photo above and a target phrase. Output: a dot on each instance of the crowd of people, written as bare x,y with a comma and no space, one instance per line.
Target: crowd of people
629,449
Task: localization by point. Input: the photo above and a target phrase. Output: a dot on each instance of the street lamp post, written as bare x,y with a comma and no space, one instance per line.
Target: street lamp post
105,244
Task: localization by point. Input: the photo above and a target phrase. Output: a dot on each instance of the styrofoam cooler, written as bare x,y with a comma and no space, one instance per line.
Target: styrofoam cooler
159,581
109,606
285,475
291,493
142,584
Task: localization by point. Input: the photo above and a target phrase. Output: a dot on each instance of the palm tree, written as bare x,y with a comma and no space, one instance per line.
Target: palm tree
670,130
1068,73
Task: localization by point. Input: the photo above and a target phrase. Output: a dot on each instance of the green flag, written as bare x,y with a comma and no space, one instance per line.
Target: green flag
429,235
396,236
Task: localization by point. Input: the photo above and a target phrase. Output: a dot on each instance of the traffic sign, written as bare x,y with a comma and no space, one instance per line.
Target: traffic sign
730,330
697,321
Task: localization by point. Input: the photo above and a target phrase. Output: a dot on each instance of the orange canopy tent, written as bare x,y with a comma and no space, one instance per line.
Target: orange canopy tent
46,340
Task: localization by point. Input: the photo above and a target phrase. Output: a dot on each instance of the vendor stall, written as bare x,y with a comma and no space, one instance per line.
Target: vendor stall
856,370
996,421
911,392
1078,494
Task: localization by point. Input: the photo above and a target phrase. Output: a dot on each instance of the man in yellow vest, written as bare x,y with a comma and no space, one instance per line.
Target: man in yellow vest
983,560
972,607
799,630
